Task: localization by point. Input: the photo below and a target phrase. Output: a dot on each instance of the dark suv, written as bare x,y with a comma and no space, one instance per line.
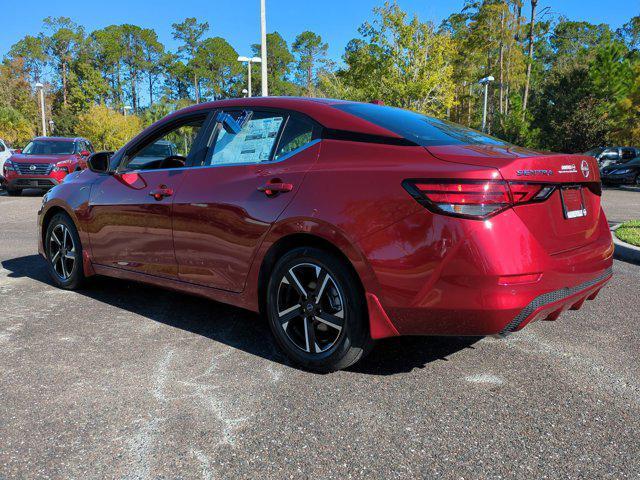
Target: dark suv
44,163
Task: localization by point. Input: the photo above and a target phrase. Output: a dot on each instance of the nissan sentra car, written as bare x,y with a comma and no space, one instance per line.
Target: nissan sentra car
341,222
44,163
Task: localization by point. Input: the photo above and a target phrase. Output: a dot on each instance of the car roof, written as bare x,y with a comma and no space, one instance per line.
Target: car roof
320,109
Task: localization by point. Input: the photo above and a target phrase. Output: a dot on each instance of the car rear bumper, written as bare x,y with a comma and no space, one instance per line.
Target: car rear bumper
479,283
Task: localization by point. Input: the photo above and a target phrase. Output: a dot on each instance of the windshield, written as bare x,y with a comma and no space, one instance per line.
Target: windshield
49,147
418,128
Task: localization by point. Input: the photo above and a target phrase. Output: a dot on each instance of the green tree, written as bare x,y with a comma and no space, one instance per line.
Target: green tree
152,53
218,68
279,64
62,45
311,52
190,33
106,128
32,52
402,62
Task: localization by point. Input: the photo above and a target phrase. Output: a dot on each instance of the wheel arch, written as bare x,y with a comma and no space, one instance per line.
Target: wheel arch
337,245
46,217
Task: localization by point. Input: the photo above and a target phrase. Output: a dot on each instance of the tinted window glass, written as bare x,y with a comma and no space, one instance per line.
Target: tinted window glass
244,137
2,149
595,152
628,153
297,133
418,128
49,147
169,150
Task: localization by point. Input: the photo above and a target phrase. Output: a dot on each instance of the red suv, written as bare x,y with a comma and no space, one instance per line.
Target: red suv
44,163
341,222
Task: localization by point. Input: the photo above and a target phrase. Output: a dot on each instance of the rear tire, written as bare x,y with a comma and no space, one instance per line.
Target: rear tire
14,192
64,253
317,311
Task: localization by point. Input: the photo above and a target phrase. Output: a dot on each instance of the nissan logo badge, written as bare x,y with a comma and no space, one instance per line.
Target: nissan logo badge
585,168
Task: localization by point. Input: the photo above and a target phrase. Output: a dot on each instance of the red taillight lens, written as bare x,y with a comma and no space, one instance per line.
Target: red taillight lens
476,199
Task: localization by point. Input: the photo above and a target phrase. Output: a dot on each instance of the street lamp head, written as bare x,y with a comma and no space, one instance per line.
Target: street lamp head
256,60
485,80
127,107
38,85
244,59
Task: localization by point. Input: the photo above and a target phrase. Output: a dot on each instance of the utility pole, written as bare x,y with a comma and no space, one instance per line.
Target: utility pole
485,81
40,86
263,29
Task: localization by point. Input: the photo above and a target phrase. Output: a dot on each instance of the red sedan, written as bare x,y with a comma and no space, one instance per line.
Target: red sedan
341,222
45,162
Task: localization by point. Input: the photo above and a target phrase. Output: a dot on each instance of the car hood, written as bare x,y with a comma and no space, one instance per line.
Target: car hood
21,158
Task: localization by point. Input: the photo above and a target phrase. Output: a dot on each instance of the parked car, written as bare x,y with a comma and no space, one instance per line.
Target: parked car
45,162
611,155
627,173
341,222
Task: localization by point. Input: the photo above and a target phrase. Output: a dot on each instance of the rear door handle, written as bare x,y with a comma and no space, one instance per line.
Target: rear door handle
275,188
161,192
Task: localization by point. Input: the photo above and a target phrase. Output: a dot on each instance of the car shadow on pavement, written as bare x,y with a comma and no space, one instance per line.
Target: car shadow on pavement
235,327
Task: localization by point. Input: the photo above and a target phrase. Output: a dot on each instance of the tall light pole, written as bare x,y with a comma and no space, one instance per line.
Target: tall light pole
485,81
40,86
249,61
263,49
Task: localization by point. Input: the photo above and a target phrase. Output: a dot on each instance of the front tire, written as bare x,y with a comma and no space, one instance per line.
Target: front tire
13,192
316,310
64,253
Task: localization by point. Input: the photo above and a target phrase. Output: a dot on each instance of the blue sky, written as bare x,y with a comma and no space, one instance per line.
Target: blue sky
238,20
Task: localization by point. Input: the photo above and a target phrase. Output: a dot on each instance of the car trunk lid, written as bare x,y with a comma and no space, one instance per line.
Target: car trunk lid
569,217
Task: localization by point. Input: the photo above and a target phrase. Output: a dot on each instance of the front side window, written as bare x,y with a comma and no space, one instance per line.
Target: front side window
244,137
49,147
418,128
169,150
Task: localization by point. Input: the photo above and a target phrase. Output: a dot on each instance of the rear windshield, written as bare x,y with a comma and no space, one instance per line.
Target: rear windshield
418,128
595,152
49,147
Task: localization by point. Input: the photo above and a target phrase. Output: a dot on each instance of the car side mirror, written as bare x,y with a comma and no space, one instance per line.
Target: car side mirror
18,151
85,153
99,162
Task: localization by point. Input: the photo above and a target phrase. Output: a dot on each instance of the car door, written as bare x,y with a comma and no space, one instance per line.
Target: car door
130,210
255,163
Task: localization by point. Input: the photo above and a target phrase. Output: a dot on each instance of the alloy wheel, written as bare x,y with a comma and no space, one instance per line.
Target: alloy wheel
62,251
310,308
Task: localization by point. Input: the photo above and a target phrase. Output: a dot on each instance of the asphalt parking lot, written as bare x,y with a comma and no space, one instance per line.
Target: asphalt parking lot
128,381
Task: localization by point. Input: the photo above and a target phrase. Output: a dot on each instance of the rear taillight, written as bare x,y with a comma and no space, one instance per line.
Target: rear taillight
476,199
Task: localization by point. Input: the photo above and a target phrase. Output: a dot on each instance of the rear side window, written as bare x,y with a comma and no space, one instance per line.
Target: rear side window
418,128
248,137
297,133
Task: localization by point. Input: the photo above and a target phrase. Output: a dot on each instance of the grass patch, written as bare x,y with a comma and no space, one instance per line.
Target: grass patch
629,232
